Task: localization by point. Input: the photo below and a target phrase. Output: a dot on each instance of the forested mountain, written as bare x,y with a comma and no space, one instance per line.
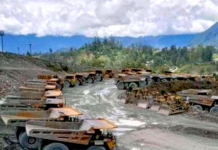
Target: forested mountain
209,37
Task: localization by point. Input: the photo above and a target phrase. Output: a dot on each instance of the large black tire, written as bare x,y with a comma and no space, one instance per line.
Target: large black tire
40,146
142,83
90,80
149,81
164,80
99,78
56,146
175,79
78,83
18,131
28,142
198,108
96,148
133,85
120,85
214,110
67,84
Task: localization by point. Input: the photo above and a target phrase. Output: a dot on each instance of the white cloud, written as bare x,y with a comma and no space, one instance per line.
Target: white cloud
107,17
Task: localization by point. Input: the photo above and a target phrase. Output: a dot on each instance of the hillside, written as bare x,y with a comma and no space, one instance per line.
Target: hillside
15,69
209,37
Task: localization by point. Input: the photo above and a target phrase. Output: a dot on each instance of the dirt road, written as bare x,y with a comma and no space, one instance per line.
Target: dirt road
140,129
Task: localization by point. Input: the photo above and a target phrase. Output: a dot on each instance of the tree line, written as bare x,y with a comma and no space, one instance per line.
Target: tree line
109,53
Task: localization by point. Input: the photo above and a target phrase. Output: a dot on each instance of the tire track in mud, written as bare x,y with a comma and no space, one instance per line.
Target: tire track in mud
100,100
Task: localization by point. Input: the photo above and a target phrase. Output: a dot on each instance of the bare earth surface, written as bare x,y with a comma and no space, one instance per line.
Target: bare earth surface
141,129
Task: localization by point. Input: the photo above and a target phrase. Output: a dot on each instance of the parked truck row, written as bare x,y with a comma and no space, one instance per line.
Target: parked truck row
41,119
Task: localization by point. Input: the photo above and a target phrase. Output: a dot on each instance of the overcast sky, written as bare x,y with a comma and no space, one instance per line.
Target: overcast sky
107,17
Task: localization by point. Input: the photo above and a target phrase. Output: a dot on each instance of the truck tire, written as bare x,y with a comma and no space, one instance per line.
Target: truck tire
18,131
149,81
41,144
67,84
142,83
120,85
96,148
175,79
214,111
59,86
156,80
55,146
90,80
198,107
78,83
99,78
133,85
164,80
28,142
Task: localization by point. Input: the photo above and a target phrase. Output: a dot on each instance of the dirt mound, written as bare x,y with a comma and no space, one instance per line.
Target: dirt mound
15,69
11,79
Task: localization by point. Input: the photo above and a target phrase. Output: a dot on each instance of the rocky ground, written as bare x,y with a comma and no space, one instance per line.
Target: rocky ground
15,69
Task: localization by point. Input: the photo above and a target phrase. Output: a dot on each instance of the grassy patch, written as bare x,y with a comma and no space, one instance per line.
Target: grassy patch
215,56
198,69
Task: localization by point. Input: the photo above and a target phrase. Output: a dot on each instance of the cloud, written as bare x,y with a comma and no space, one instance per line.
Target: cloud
107,17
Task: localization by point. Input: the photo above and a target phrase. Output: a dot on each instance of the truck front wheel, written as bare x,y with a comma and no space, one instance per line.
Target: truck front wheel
55,146
28,142
96,148
214,111
133,85
67,84
198,108
120,85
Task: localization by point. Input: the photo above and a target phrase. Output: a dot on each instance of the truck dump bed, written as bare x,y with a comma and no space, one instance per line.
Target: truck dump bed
195,92
35,89
51,97
78,131
81,125
20,117
21,105
33,84
37,80
84,74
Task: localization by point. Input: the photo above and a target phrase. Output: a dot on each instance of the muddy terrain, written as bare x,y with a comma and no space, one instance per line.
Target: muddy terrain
140,129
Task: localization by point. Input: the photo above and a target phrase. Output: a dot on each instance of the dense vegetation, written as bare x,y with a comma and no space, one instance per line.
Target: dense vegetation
109,53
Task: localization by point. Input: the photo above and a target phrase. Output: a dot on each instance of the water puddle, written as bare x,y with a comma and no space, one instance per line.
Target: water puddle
134,123
86,92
